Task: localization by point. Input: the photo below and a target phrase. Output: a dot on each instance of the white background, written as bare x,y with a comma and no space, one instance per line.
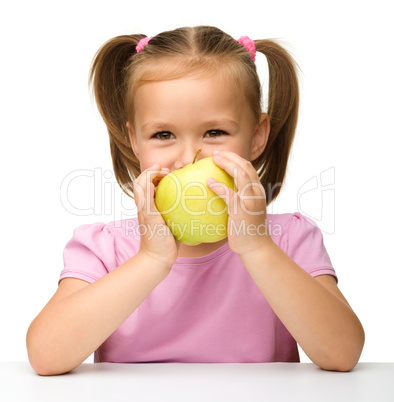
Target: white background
50,129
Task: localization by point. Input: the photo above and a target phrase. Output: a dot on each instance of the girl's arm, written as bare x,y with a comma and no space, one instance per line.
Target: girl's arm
312,309
81,316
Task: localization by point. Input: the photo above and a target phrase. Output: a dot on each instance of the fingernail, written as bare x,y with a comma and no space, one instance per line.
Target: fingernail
215,152
155,166
210,181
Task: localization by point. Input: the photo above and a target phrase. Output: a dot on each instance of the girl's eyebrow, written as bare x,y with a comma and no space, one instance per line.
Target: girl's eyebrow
156,125
220,122
167,125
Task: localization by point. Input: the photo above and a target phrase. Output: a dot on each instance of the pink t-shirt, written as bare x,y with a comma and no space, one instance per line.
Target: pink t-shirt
208,309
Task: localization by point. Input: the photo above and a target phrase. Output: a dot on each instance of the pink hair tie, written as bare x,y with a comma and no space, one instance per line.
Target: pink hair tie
142,43
249,46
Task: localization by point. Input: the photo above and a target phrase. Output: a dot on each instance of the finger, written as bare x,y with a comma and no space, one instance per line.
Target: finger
150,175
240,169
155,173
228,195
144,187
239,160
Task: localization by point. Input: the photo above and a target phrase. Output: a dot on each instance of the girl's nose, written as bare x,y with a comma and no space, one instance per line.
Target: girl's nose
187,156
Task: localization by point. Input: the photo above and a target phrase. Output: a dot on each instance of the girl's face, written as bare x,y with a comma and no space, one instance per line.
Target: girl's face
173,119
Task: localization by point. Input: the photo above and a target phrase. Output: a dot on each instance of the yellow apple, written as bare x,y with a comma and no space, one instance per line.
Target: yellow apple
193,212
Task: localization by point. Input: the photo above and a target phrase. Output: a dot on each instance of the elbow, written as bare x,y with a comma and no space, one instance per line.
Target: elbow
41,364
42,358
44,369
341,365
346,357
44,366
333,362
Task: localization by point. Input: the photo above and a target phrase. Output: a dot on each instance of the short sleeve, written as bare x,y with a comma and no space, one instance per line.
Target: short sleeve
306,247
90,254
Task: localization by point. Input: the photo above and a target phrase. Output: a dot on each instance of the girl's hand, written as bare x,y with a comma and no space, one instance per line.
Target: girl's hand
247,228
157,241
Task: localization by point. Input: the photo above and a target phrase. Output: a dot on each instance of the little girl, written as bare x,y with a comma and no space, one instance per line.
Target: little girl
132,295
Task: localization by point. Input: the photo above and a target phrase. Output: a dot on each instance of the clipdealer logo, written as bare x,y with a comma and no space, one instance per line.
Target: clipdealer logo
315,197
316,200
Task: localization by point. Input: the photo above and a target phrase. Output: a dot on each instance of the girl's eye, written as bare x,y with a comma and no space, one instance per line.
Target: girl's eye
215,133
163,135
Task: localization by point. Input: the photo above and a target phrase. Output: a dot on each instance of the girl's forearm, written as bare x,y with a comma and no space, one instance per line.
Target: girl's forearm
68,331
322,323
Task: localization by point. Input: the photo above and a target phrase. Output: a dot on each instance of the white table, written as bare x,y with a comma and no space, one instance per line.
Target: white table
199,382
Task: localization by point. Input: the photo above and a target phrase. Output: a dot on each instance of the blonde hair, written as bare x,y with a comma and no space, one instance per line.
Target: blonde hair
117,71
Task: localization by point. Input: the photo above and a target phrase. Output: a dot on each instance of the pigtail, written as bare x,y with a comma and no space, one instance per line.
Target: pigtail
283,102
107,79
